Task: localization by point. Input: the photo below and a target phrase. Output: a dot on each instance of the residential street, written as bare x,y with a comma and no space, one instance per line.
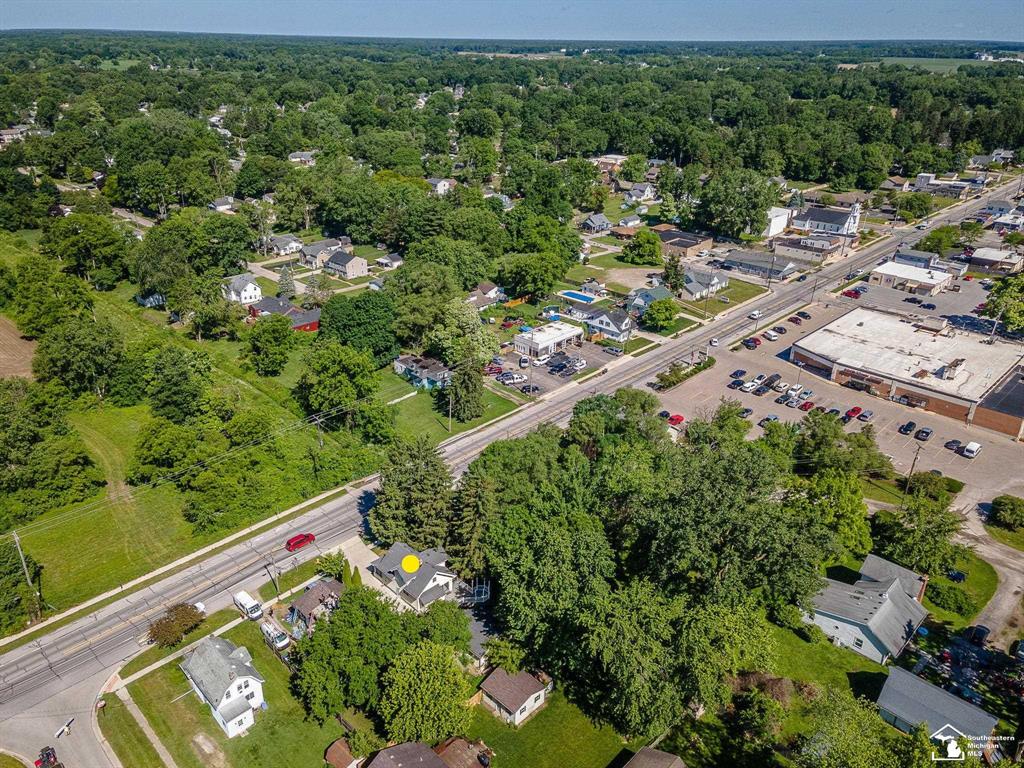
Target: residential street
45,681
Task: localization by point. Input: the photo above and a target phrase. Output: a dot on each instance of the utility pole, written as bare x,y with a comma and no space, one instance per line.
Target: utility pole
273,579
24,568
909,475
449,407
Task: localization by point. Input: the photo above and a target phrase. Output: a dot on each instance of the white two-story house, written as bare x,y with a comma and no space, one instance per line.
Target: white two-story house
242,289
223,677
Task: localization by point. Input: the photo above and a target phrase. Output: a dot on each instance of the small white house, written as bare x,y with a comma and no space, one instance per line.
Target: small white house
226,204
242,289
305,159
513,698
778,220
420,580
223,677
442,187
612,324
283,245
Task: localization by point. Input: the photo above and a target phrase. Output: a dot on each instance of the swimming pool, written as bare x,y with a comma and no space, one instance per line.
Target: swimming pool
583,298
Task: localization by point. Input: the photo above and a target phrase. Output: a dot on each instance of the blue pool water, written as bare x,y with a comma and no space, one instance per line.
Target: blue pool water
577,296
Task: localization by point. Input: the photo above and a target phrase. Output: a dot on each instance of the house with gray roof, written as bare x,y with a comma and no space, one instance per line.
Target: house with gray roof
319,599
307,159
833,221
411,754
315,255
907,701
649,757
223,677
282,245
419,580
639,300
698,284
765,265
596,223
612,324
242,289
875,616
346,265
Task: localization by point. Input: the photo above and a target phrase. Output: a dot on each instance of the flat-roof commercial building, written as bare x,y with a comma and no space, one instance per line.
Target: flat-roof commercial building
953,373
997,260
676,242
547,339
904,277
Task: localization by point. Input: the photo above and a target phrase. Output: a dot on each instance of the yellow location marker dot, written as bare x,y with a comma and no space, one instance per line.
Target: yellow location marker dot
410,563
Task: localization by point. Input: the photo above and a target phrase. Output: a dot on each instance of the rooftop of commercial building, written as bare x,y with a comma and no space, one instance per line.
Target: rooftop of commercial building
910,272
891,346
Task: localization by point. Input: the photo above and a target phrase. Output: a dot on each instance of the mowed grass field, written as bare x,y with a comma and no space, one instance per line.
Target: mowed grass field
282,736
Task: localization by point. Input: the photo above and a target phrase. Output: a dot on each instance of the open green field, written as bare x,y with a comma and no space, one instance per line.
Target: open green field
154,653
680,323
282,736
737,292
125,735
418,416
940,66
558,736
885,491
980,584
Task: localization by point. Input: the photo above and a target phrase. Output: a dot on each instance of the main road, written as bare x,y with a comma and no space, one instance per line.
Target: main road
54,678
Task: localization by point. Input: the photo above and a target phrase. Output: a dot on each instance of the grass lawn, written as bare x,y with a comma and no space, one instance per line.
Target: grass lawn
281,737
877,489
678,324
613,208
612,261
30,236
417,416
369,252
802,185
635,344
737,292
6,761
579,272
154,653
980,584
558,736
645,350
1013,539
393,386
289,580
268,286
119,728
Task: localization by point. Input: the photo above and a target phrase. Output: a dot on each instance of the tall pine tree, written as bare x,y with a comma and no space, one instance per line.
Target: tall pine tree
414,500
286,284
466,393
476,505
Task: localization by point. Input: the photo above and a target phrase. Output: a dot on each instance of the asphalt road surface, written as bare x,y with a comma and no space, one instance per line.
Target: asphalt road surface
52,669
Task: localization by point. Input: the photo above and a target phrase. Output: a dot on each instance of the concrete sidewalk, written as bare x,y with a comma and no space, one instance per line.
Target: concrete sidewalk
161,750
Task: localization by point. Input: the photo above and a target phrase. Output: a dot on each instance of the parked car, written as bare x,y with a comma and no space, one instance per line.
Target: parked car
751,343
529,389
770,335
614,351
779,329
913,300
524,361
924,434
664,414
299,541
749,386
759,379
806,405
862,288
515,378
971,450
804,315
806,394
762,390
739,373
834,411
865,415
795,390
274,637
746,412
736,383
953,445
793,402
795,320
851,294
492,370
977,635
579,365
780,386
782,399
675,420
542,360
767,420
929,305
497,360
906,429
854,412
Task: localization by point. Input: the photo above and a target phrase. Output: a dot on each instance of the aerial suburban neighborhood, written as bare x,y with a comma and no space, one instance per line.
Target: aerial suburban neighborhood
406,388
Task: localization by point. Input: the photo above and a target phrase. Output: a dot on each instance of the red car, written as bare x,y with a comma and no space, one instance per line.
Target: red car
299,541
854,412
795,320
675,420
968,278
806,405
851,294
492,370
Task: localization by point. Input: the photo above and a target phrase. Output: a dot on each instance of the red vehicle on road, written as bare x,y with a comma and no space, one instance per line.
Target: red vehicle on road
675,420
298,541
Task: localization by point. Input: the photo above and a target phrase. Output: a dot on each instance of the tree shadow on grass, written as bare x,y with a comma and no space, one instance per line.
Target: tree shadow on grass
866,684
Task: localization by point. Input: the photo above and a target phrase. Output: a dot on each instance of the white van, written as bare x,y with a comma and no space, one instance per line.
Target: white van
755,314
275,638
771,335
795,390
249,606
971,450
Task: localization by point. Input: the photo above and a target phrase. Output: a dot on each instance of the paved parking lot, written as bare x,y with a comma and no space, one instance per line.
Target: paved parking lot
540,375
703,393
956,307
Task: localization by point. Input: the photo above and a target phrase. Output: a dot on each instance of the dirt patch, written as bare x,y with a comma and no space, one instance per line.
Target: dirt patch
15,352
631,278
209,753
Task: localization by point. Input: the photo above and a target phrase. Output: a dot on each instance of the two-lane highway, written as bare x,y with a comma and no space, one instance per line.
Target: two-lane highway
46,669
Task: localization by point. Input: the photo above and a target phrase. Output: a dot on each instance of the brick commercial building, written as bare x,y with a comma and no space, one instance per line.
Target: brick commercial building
952,373
676,242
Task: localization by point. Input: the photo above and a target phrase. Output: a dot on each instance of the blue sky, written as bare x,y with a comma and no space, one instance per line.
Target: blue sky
542,19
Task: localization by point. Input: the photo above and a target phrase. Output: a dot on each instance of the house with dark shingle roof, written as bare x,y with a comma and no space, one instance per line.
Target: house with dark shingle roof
596,223
318,599
302,319
315,255
698,283
639,300
513,698
833,221
877,615
648,757
411,754
223,677
346,265
612,324
907,701
429,581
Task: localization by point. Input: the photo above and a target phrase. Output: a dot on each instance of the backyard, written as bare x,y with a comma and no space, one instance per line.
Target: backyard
737,292
282,736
